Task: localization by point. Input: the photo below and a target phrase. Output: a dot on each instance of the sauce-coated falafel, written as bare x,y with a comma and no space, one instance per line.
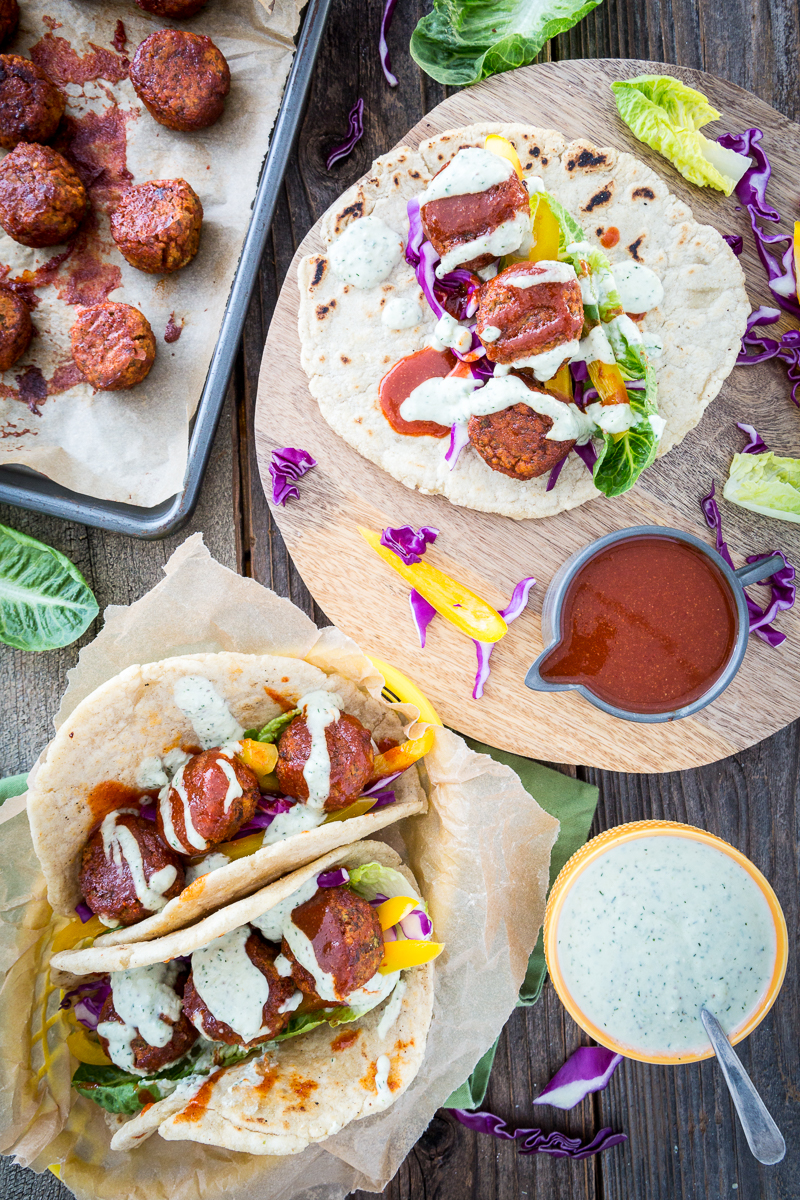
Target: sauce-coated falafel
157,225
515,443
16,328
109,886
113,345
31,105
351,757
181,78
262,954
42,200
9,19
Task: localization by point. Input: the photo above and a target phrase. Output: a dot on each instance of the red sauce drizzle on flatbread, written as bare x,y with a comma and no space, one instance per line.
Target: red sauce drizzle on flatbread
610,237
399,382
197,1106
109,795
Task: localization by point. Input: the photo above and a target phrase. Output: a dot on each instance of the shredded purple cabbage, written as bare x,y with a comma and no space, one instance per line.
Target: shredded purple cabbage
459,438
587,454
422,613
426,277
383,799
536,1141
147,812
417,925
782,587
383,49
87,1000
483,650
756,444
335,878
415,232
83,911
286,467
751,190
554,474
454,283
757,349
355,131
589,1069
381,783
408,543
269,808
579,371
735,241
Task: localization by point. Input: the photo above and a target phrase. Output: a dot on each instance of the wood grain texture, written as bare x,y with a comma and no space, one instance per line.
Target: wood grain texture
490,553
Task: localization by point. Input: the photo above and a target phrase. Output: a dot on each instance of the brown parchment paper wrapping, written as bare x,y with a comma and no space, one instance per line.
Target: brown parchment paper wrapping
131,445
481,855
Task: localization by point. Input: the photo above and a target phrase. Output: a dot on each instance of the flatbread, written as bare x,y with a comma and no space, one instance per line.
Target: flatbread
346,349
134,716
309,1087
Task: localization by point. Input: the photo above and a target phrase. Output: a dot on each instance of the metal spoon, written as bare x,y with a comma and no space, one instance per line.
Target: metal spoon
763,1136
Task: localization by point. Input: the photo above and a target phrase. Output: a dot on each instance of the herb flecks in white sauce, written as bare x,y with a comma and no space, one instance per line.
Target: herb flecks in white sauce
208,712
366,252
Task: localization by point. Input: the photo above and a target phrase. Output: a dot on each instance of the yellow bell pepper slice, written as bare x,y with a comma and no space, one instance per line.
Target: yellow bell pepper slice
399,758
87,1051
503,148
546,231
797,258
241,847
260,757
74,932
394,909
561,384
456,603
357,809
607,378
408,953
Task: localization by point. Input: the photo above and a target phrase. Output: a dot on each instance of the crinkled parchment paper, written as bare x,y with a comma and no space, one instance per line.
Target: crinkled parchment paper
481,854
131,445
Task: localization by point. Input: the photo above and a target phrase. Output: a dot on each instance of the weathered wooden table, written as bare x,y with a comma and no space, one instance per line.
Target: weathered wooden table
684,1141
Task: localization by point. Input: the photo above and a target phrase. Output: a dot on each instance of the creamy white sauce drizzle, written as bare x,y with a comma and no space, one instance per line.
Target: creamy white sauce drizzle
119,1038
120,846
613,418
551,272
401,313
545,365
450,335
392,1011
151,774
653,345
594,348
373,991
488,272
471,170
366,253
271,922
639,288
294,1001
299,819
230,985
283,966
654,929
320,710
534,184
208,712
212,862
234,790
142,997
657,424
165,808
505,238
490,333
381,1080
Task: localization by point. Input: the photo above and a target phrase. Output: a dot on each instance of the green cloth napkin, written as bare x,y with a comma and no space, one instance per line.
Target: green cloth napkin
573,803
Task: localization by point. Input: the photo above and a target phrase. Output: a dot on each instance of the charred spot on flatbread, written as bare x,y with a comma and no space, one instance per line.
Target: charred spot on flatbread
320,267
643,193
322,311
600,197
588,159
633,249
351,213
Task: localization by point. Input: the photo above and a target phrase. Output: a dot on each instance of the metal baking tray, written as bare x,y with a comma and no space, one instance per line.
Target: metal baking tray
25,488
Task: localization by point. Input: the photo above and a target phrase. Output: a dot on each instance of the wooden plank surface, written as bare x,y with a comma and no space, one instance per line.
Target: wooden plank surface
684,1143
490,553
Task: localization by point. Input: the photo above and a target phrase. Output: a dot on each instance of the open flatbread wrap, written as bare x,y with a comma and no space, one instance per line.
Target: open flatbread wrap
303,1086
118,739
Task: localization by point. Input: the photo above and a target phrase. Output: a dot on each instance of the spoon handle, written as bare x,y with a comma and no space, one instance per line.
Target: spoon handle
763,1136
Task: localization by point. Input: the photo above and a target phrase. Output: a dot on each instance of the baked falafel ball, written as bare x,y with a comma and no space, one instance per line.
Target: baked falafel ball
172,9
42,200
519,317
515,443
345,932
209,781
113,345
157,225
9,18
146,1056
275,1013
457,221
16,328
351,756
181,78
31,105
109,886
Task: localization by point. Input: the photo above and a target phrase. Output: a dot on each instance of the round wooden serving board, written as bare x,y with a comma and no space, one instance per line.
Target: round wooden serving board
491,553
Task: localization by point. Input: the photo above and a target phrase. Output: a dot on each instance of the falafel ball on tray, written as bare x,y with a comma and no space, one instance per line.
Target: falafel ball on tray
346,935
9,19
277,1007
514,441
170,1033
530,309
172,9
42,200
31,105
351,760
157,225
455,219
110,879
16,328
113,345
221,795
181,78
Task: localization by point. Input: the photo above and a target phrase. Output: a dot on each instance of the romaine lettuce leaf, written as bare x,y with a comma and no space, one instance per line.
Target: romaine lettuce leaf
118,1091
666,115
44,600
463,41
765,484
274,728
623,457
373,880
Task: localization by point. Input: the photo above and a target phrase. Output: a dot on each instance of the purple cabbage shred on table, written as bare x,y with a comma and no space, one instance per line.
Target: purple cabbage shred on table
588,1070
755,444
355,133
408,543
383,49
287,466
756,348
536,1141
735,241
513,609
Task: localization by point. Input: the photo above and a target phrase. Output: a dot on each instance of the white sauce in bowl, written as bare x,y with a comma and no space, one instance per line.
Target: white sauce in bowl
657,927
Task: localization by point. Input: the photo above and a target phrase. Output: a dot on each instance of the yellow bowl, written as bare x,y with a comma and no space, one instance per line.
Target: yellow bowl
593,850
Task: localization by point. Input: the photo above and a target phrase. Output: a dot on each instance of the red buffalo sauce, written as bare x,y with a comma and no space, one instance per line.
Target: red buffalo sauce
648,624
399,382
610,237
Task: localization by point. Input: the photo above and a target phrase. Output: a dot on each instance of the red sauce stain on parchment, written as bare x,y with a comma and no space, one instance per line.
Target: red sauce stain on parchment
57,58
32,389
120,38
25,285
173,331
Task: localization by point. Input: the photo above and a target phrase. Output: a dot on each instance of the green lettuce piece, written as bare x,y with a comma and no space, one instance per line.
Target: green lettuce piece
463,41
273,729
44,600
766,484
621,460
373,880
666,115
119,1091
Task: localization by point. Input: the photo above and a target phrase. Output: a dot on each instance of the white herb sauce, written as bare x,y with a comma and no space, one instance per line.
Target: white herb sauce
595,348
653,345
545,365
208,712
231,986
120,846
401,313
450,335
141,997
283,966
490,333
392,1011
299,819
234,790
383,1065
271,923
151,774
212,862
374,990
366,253
551,272
320,710
165,808
294,1001
471,170
639,288
613,418
654,929
505,238
534,184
